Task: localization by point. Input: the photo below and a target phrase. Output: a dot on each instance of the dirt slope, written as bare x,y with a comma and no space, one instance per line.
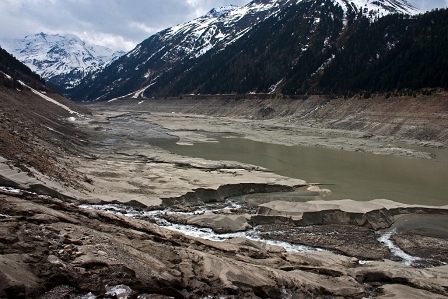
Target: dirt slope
36,135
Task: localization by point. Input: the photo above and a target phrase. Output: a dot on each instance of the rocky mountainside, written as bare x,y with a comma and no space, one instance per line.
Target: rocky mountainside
35,131
62,60
241,38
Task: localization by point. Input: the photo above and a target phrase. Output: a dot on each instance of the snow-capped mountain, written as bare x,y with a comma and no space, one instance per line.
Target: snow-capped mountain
161,51
222,26
61,59
172,49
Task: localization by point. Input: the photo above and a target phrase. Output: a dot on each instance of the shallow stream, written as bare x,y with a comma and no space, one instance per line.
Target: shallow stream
158,217
191,230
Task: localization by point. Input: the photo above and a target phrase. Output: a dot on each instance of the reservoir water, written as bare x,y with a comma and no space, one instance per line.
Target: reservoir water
350,175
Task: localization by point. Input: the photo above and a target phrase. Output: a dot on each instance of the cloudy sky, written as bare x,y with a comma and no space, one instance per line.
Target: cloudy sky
118,24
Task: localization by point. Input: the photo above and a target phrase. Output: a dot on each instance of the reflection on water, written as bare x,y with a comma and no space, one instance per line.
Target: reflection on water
350,175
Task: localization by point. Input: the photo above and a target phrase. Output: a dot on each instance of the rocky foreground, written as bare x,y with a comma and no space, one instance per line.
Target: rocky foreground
110,216
52,248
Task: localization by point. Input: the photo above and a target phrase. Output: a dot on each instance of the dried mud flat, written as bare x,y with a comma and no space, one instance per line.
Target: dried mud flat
133,229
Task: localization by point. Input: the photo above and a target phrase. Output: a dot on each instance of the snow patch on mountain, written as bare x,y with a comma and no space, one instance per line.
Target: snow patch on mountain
47,98
222,26
200,35
378,8
219,11
54,55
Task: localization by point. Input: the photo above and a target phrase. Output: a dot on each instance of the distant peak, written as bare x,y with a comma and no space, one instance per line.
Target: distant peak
222,10
51,55
37,35
74,38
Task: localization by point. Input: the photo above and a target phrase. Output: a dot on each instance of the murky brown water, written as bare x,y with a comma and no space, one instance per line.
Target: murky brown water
358,176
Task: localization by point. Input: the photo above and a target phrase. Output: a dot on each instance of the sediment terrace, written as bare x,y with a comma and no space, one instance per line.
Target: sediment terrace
419,120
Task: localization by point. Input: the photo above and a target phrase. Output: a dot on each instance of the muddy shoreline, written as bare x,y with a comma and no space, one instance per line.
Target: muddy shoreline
417,120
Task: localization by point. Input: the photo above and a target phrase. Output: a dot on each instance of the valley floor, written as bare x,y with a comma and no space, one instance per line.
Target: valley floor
127,231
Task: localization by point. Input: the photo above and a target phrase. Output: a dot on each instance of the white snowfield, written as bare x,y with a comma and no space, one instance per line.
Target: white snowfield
380,8
134,94
6,76
51,55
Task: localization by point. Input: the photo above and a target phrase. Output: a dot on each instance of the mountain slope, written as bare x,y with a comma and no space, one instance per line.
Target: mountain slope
299,39
193,57
160,52
34,130
12,71
411,58
63,60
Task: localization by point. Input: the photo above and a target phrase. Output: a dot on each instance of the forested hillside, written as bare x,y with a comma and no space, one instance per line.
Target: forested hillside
296,42
306,54
12,70
414,56
310,47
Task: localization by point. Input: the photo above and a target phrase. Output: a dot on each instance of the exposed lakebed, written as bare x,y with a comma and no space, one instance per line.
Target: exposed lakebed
354,241
356,175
